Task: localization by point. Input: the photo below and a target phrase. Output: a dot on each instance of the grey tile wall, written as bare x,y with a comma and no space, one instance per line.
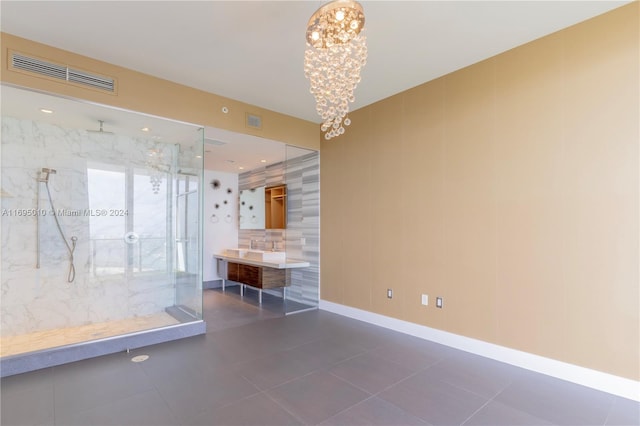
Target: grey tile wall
302,177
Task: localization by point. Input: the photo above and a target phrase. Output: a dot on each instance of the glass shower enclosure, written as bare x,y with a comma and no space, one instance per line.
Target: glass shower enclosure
100,230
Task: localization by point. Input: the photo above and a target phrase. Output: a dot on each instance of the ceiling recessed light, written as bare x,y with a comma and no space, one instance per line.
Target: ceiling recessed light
263,161
198,156
46,111
214,142
241,168
145,129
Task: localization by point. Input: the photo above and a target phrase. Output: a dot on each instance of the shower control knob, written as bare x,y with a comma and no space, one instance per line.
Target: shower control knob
131,238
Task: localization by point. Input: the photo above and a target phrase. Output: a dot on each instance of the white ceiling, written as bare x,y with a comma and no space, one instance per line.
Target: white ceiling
253,51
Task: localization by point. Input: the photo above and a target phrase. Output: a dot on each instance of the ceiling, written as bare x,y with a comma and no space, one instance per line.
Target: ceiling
253,51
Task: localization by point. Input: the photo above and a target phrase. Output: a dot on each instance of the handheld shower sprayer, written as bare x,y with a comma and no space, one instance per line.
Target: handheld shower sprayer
44,174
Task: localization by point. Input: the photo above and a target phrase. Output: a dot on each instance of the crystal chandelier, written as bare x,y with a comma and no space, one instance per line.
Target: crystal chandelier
154,163
336,52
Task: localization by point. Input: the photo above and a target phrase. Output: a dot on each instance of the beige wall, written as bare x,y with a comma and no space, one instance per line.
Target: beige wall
509,188
151,95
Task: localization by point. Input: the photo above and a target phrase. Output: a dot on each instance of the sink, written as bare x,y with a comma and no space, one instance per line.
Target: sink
258,255
266,256
236,252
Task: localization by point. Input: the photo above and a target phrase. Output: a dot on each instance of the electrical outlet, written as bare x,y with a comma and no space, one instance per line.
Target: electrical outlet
425,299
389,293
438,302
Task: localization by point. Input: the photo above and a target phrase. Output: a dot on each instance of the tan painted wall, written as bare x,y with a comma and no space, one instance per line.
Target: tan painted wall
511,189
151,95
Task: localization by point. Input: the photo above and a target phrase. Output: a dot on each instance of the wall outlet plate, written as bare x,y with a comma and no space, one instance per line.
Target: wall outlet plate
438,302
425,299
389,293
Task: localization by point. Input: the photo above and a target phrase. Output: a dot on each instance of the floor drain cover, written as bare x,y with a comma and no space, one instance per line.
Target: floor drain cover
140,358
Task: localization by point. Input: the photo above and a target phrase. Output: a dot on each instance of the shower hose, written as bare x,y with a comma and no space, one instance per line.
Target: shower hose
71,248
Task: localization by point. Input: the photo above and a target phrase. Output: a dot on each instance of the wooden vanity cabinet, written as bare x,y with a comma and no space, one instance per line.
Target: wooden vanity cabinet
232,271
257,276
250,275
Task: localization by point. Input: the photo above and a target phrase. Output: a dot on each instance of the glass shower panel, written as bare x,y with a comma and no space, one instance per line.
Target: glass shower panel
302,176
118,216
186,224
106,187
151,224
188,229
128,221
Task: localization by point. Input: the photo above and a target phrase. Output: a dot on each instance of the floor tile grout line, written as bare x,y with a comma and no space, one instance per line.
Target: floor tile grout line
409,377
436,362
159,392
606,420
492,399
295,416
102,405
398,382
258,391
377,395
385,388
227,404
474,392
120,398
293,379
315,370
476,412
351,384
349,407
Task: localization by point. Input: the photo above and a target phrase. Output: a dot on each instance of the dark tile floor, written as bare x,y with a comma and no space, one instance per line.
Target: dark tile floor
259,367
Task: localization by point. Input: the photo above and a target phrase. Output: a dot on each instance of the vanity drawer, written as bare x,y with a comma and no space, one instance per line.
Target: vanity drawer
258,276
232,271
250,275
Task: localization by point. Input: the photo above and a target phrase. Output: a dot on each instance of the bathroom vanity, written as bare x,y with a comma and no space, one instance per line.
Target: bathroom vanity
257,269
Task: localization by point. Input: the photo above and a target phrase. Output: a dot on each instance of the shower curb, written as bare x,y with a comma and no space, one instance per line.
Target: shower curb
17,364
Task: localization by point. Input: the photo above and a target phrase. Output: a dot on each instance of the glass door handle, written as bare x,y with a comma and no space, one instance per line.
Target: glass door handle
131,238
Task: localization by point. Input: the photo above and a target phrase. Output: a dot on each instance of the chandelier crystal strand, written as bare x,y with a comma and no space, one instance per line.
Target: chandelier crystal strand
336,52
154,162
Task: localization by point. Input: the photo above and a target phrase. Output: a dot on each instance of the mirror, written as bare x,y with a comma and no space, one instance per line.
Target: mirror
252,208
263,208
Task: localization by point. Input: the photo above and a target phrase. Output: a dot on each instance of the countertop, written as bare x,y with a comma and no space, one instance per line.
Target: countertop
287,264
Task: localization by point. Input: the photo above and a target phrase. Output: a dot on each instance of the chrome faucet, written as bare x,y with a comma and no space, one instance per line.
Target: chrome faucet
251,244
274,246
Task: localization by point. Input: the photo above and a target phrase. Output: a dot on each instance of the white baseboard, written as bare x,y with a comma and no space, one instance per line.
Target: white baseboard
605,382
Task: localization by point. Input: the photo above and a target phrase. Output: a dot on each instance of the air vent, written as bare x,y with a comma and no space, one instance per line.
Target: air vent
39,67
92,80
61,72
254,121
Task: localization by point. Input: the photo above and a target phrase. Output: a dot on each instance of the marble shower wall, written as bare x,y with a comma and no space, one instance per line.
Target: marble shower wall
42,299
302,176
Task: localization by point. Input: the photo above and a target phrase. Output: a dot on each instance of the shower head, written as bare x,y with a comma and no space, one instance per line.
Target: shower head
101,129
44,174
